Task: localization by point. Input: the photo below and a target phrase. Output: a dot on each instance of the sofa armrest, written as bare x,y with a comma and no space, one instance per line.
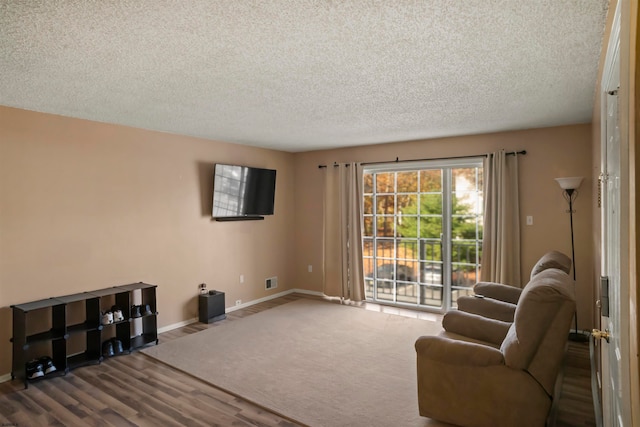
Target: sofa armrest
453,352
487,307
475,326
498,291
470,385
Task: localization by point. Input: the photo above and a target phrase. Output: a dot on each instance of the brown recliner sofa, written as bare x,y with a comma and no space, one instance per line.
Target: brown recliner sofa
498,301
498,373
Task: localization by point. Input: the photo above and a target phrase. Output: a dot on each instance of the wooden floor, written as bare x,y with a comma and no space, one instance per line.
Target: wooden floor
575,403
135,390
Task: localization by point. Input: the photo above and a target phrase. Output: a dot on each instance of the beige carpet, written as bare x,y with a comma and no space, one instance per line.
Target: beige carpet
317,363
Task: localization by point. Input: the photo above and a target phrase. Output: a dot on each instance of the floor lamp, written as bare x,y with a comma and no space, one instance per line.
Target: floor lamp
570,187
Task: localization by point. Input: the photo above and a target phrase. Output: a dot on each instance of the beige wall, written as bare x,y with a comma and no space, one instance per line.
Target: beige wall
86,205
551,153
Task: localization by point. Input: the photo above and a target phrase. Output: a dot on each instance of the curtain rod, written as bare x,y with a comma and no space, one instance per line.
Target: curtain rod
397,160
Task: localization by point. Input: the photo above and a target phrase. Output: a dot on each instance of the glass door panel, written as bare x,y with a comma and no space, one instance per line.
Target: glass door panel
422,234
466,230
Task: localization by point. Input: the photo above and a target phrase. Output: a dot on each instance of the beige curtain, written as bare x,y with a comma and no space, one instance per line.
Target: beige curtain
501,242
342,232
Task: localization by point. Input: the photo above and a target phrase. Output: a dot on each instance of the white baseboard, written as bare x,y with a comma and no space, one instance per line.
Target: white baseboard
270,297
241,306
177,325
306,292
256,301
4,378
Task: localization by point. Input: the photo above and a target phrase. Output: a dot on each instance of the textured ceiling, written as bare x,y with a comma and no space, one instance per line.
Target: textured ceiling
299,75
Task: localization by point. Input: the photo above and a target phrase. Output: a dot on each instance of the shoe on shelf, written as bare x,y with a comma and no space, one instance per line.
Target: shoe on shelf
147,310
135,311
34,369
107,318
47,364
107,349
117,315
117,346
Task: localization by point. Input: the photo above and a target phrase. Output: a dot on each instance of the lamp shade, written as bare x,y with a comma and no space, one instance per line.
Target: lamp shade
570,183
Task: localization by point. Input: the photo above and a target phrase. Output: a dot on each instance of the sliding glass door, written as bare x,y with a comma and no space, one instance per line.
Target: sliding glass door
422,235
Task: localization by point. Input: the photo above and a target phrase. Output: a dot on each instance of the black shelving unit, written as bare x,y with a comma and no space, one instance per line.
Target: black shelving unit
39,327
69,328
88,328
121,298
149,322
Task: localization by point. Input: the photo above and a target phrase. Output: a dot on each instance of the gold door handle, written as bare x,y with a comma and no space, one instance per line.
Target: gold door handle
597,333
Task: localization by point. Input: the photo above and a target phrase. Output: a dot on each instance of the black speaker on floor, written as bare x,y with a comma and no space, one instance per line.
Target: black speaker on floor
211,307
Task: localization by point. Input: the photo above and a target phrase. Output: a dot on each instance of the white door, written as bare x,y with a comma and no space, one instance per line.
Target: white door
615,353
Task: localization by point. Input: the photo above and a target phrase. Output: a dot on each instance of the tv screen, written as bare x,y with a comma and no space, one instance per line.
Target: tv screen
242,191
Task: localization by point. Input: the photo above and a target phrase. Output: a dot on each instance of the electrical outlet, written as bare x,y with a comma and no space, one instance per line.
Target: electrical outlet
238,301
242,278
529,220
310,268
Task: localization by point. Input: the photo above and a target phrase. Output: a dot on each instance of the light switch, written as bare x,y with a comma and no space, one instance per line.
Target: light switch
529,220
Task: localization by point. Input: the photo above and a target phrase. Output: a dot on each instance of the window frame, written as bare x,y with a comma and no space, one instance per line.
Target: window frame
447,263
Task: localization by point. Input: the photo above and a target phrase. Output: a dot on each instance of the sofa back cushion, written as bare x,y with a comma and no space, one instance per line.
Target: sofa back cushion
535,341
552,259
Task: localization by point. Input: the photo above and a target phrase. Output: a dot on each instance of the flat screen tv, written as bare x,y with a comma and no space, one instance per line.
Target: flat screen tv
242,192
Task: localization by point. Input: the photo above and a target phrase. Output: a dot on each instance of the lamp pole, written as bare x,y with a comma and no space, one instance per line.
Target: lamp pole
569,186
573,251
574,336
